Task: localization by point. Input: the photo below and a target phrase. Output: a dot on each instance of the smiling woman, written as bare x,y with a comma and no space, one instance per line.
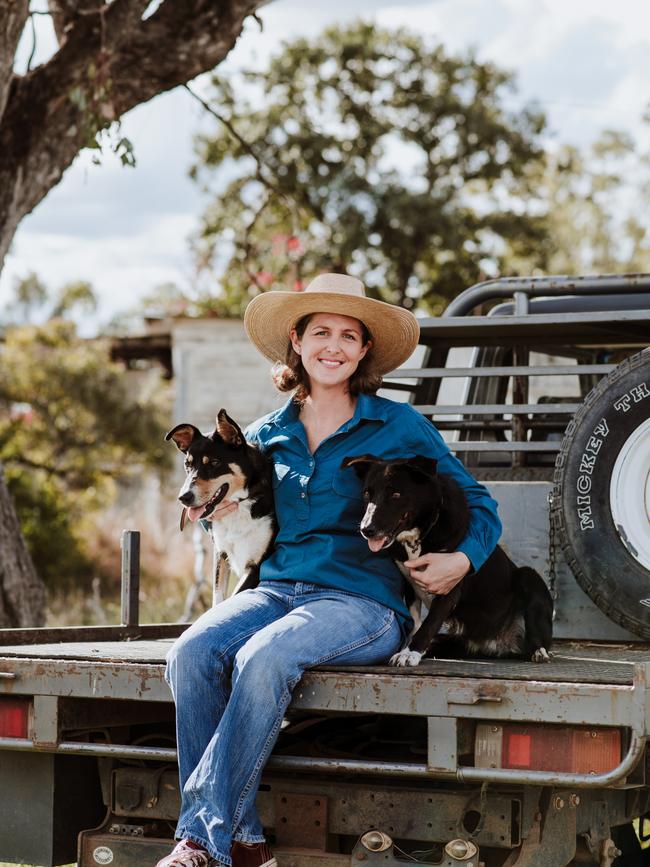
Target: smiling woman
323,595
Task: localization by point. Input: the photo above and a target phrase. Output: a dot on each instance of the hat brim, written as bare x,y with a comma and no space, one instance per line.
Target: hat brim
269,318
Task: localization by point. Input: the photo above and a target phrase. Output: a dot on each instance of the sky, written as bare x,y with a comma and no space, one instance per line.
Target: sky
586,63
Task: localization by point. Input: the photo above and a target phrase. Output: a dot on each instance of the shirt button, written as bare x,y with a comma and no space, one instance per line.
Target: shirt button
303,495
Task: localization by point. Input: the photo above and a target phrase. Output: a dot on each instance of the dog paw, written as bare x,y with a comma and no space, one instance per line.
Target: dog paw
405,658
541,655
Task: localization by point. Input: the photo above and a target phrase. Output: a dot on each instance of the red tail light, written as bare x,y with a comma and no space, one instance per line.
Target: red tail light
568,749
15,715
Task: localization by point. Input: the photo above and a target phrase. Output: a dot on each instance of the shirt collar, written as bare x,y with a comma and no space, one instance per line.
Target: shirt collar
368,407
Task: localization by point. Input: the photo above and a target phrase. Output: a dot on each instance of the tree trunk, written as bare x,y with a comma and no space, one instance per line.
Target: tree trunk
22,593
109,60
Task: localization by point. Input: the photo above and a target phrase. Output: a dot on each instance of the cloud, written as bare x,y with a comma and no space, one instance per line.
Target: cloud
121,268
583,61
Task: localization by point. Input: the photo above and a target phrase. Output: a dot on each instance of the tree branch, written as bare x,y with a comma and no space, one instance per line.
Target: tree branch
108,63
260,173
65,14
198,34
13,16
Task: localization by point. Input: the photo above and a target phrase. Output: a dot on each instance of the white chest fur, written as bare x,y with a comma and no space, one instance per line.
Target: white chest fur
242,538
412,543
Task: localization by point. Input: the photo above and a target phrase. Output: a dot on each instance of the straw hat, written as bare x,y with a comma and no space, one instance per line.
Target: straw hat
270,317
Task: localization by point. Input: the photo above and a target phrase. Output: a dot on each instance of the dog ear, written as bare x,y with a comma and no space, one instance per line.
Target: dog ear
183,435
229,430
422,465
361,463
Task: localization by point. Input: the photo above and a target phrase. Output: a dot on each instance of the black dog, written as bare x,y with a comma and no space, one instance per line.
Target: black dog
500,610
219,465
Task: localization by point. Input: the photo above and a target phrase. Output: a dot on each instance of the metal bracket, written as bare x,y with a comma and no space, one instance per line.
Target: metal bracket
301,820
551,839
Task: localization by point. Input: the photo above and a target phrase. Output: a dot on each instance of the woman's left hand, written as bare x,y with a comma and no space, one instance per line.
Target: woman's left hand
438,573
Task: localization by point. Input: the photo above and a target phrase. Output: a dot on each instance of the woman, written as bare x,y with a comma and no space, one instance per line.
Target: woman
323,596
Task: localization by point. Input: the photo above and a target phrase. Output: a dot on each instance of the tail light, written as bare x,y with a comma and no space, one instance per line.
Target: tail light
567,749
15,717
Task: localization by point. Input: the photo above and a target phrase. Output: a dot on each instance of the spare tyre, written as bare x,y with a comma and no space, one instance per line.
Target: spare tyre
601,498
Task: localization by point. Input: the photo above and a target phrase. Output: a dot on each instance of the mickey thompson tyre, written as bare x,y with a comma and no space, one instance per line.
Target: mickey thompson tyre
601,499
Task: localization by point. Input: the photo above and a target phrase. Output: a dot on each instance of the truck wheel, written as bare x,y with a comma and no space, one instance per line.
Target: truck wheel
601,498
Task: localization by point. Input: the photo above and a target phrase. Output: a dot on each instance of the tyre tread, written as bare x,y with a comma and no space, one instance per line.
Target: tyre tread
557,513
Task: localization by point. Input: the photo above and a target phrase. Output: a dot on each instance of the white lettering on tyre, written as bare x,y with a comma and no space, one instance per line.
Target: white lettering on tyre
634,395
583,482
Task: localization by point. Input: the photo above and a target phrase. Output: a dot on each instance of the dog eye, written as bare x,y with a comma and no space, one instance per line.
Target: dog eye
215,462
396,495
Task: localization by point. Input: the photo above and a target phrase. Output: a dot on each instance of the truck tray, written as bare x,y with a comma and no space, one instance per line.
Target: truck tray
598,662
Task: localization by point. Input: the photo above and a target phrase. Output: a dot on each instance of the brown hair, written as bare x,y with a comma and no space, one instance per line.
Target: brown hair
292,376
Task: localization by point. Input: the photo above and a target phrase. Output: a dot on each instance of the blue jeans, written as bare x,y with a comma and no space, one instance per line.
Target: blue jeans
232,673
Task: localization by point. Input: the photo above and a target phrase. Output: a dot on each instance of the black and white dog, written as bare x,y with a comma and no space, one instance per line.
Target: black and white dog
500,610
219,465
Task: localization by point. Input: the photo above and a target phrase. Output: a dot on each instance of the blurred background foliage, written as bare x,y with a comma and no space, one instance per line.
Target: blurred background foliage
376,152
71,429
370,151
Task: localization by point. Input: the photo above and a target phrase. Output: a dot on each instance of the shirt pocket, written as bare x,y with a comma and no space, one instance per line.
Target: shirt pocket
347,483
280,474
346,507
285,492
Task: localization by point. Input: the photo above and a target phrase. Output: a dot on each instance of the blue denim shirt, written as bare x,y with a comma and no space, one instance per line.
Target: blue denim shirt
319,506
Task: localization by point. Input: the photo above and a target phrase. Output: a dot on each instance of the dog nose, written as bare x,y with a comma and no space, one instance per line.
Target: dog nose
369,531
186,498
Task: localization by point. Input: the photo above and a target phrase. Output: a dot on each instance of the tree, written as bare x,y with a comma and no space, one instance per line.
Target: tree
70,426
111,57
596,203
163,301
33,302
22,594
372,151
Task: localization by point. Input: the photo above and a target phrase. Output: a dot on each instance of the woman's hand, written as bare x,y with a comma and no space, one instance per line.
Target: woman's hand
438,573
225,507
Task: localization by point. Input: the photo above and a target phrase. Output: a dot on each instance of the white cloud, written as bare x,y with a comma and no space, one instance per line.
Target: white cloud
121,268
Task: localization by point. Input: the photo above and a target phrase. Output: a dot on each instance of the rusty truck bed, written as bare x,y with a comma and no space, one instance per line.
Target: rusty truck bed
594,684
580,662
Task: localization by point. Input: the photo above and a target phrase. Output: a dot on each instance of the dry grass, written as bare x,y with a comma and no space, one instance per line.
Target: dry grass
167,562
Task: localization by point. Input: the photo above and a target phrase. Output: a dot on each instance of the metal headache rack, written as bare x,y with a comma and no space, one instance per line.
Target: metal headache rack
570,332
